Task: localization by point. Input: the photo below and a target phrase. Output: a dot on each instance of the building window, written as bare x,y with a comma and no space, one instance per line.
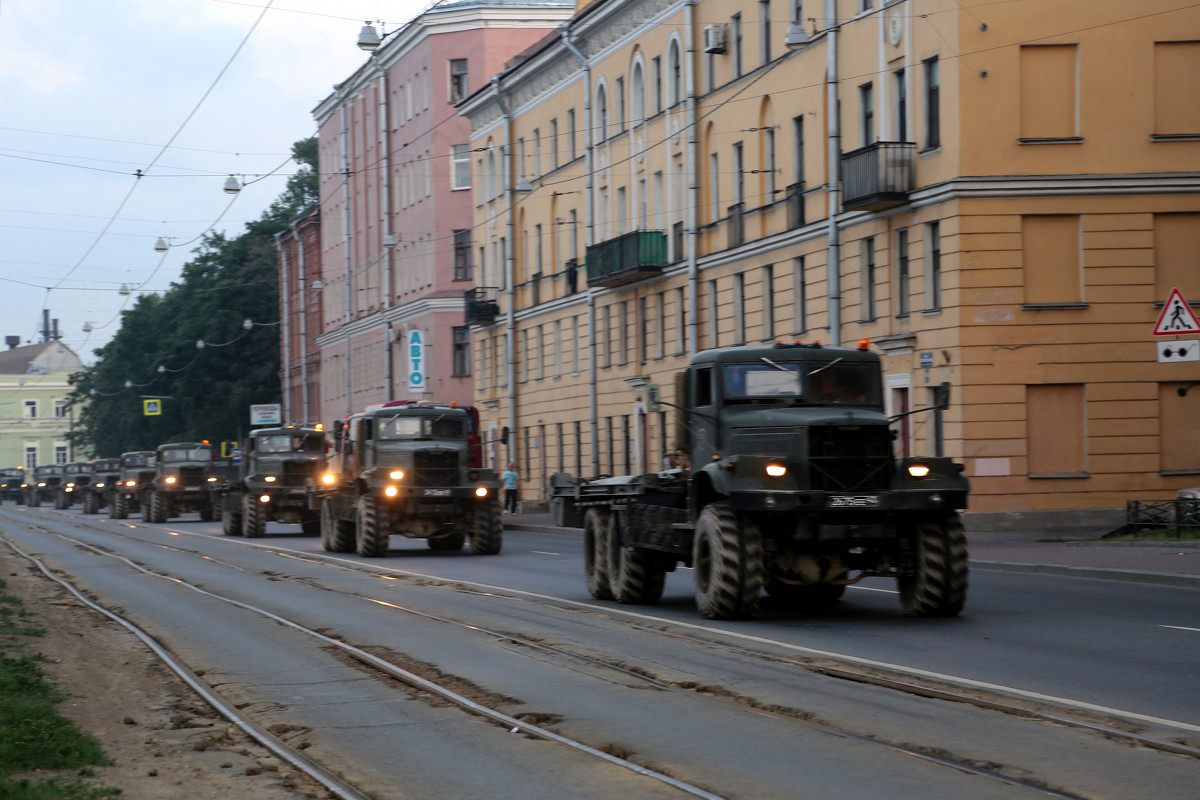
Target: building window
656,76
601,114
30,409
933,113
459,88
462,255
576,345
558,348
554,143
1175,238
537,153
31,456
1055,430
714,319
662,324
900,92
735,46
643,339
674,73
623,338
933,266
903,299
714,187
619,100
606,338
764,31
460,159
739,308
60,409
1050,247
768,302
61,454
637,95
868,279
541,353
571,133
768,165
1176,87
739,173
798,150
799,296
462,351
1049,102
680,321
866,102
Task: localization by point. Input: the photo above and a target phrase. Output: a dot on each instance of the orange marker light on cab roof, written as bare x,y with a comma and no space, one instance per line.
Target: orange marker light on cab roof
864,344
454,404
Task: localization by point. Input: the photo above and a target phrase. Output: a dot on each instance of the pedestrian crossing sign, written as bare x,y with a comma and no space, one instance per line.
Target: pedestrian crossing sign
1177,317
152,408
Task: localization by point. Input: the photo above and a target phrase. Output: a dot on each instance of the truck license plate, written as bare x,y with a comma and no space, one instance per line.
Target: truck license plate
854,501
436,493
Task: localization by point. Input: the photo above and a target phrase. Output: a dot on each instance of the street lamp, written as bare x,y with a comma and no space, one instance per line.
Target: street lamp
232,186
368,37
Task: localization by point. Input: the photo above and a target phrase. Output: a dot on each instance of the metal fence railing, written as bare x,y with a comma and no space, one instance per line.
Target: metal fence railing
1171,516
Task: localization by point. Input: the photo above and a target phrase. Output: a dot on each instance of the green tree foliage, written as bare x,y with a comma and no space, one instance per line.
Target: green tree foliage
206,391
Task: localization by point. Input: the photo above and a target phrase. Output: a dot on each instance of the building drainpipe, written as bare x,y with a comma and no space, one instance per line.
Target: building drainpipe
692,168
510,372
300,269
385,226
833,255
346,239
589,239
285,329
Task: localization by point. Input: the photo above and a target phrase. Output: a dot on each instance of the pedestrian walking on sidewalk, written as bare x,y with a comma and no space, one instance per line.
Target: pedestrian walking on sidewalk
512,482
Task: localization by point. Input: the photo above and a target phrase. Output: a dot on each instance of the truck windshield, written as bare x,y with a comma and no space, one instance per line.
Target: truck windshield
139,461
291,443
186,454
844,383
762,380
441,427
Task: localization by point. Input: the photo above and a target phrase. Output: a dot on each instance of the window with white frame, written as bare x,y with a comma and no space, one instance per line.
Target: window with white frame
460,160
459,87
30,409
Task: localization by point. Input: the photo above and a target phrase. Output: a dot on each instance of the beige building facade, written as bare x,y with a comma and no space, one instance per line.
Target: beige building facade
999,197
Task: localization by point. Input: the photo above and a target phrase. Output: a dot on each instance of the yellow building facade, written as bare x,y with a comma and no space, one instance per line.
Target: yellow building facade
999,197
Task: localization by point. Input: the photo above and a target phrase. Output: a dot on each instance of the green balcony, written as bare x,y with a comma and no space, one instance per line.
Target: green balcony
627,258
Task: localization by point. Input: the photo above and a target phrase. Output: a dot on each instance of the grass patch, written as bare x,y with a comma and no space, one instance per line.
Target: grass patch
34,737
1157,534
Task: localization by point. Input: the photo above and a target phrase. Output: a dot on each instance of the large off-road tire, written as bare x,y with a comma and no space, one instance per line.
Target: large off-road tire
35,500
634,575
311,526
206,512
337,535
373,528
160,508
254,517
450,542
62,500
933,581
231,518
91,503
595,552
727,558
487,533
120,507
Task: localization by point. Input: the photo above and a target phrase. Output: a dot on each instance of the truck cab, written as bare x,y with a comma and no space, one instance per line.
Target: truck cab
183,472
279,470
136,471
409,468
105,474
76,477
11,479
43,484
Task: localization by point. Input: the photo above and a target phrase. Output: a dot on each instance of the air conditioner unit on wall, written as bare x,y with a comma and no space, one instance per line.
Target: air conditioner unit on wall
714,38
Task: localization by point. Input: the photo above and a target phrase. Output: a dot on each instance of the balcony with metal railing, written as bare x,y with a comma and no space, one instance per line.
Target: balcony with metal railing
482,305
880,175
626,258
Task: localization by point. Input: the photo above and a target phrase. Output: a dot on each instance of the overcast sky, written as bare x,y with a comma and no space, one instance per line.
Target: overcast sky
92,90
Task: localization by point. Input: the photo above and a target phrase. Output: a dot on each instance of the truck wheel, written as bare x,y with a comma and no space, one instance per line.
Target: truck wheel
91,503
337,535
311,526
450,542
159,508
727,556
62,500
934,582
120,507
35,500
231,521
254,517
487,534
595,552
634,575
206,512
372,539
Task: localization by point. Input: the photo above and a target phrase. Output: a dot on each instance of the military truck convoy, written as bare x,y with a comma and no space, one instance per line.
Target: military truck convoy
280,467
790,485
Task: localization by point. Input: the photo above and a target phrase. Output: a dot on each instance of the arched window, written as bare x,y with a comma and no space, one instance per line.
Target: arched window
637,94
601,113
674,74
491,172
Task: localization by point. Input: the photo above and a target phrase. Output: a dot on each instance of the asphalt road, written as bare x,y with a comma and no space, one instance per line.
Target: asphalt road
1119,650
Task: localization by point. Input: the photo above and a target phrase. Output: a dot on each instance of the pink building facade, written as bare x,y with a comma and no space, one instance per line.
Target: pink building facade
396,205
300,291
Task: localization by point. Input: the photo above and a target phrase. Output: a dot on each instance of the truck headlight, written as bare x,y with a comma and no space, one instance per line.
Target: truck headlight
131,483
70,486
99,485
918,470
391,491
481,491
328,478
396,474
169,479
266,498
269,479
776,470
212,480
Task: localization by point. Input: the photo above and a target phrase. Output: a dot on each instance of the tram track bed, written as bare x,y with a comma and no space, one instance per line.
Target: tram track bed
669,710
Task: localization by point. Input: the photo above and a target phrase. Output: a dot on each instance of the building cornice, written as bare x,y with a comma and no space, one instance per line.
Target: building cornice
397,314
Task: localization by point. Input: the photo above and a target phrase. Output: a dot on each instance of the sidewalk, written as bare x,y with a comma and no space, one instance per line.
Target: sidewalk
1165,563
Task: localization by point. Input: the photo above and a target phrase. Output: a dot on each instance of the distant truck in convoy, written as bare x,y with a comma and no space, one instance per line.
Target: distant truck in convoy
413,469
279,471
76,477
137,470
105,474
789,486
42,486
182,474
11,479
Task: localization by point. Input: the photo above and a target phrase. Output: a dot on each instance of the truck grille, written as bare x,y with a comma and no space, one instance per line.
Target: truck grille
298,473
845,459
436,468
192,476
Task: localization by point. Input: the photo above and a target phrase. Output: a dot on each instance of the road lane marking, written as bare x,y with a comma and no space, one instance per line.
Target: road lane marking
1180,628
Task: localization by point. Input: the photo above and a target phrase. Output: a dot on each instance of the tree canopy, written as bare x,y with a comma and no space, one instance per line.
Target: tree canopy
206,391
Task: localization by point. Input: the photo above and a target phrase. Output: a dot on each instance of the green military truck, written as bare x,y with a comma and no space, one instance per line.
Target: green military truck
136,470
412,469
105,474
42,485
183,472
11,479
790,485
76,477
279,470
